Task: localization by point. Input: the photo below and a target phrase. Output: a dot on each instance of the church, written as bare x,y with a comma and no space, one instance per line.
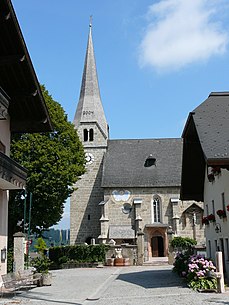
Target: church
130,186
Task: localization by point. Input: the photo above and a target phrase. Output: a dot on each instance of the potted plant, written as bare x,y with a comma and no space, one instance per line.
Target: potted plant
42,262
211,217
221,213
205,220
41,265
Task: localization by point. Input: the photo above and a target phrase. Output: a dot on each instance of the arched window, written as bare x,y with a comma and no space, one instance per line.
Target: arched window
156,209
85,135
91,135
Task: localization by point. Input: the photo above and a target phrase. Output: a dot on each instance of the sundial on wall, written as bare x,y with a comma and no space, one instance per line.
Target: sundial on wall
120,196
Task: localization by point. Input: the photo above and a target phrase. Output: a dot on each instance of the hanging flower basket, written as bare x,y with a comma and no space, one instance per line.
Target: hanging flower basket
211,177
205,220
211,217
216,170
221,213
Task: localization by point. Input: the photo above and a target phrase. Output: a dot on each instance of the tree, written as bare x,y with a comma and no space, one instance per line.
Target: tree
54,161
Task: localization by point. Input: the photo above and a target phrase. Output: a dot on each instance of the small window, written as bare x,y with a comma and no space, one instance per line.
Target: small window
207,210
213,207
85,135
150,161
88,217
209,249
223,202
91,135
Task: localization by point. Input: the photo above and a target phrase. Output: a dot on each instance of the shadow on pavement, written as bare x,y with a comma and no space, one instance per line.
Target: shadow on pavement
153,279
47,299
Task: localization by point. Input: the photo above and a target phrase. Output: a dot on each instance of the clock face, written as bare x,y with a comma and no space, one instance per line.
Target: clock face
89,158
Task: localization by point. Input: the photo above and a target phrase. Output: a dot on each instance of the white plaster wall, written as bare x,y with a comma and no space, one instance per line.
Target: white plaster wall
5,139
213,191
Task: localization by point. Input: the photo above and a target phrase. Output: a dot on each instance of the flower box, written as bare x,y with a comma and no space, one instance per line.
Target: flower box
211,217
205,220
211,177
216,170
221,213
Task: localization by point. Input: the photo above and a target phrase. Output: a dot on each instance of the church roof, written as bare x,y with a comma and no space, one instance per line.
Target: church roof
90,108
125,163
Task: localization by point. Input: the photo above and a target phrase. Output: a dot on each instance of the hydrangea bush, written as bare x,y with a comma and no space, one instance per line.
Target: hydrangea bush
196,269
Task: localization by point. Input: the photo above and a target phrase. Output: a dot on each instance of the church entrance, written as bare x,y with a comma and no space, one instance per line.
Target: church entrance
156,240
157,245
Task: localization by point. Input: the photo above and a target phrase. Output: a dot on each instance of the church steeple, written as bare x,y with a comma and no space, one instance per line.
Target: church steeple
90,109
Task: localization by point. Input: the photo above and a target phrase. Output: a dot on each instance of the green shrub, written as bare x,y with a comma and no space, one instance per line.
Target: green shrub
196,269
79,253
183,242
41,264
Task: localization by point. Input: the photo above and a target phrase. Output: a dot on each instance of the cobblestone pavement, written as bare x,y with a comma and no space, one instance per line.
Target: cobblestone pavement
116,286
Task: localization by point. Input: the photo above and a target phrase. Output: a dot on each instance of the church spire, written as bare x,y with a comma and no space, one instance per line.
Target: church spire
90,108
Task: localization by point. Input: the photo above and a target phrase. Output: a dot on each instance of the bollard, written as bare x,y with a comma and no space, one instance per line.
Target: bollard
219,273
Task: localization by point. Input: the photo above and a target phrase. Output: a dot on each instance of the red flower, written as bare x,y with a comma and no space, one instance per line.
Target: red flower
211,217
205,220
221,213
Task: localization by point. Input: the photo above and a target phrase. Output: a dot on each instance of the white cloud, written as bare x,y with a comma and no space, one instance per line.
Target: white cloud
181,32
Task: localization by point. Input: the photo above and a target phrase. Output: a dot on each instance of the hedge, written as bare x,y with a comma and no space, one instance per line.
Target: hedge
78,253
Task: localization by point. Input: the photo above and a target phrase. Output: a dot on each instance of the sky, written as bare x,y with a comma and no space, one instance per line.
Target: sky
157,60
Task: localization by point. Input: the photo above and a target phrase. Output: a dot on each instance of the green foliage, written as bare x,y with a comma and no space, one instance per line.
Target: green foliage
78,253
183,242
203,283
196,269
41,264
40,246
54,161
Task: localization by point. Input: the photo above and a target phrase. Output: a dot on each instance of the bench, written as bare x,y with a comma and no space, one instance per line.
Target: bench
12,282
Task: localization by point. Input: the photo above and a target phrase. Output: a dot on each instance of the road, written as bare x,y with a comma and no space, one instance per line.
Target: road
116,286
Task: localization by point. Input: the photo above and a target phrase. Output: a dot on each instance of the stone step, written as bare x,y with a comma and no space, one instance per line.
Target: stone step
156,261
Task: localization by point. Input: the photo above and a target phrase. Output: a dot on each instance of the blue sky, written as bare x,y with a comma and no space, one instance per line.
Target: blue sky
156,60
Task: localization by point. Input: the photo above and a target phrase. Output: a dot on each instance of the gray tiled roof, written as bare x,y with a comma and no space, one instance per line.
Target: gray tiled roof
211,119
124,163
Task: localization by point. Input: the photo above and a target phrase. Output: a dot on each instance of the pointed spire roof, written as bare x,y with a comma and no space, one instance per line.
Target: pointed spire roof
90,108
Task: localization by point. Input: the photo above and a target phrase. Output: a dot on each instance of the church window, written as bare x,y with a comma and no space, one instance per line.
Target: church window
156,210
85,135
91,135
